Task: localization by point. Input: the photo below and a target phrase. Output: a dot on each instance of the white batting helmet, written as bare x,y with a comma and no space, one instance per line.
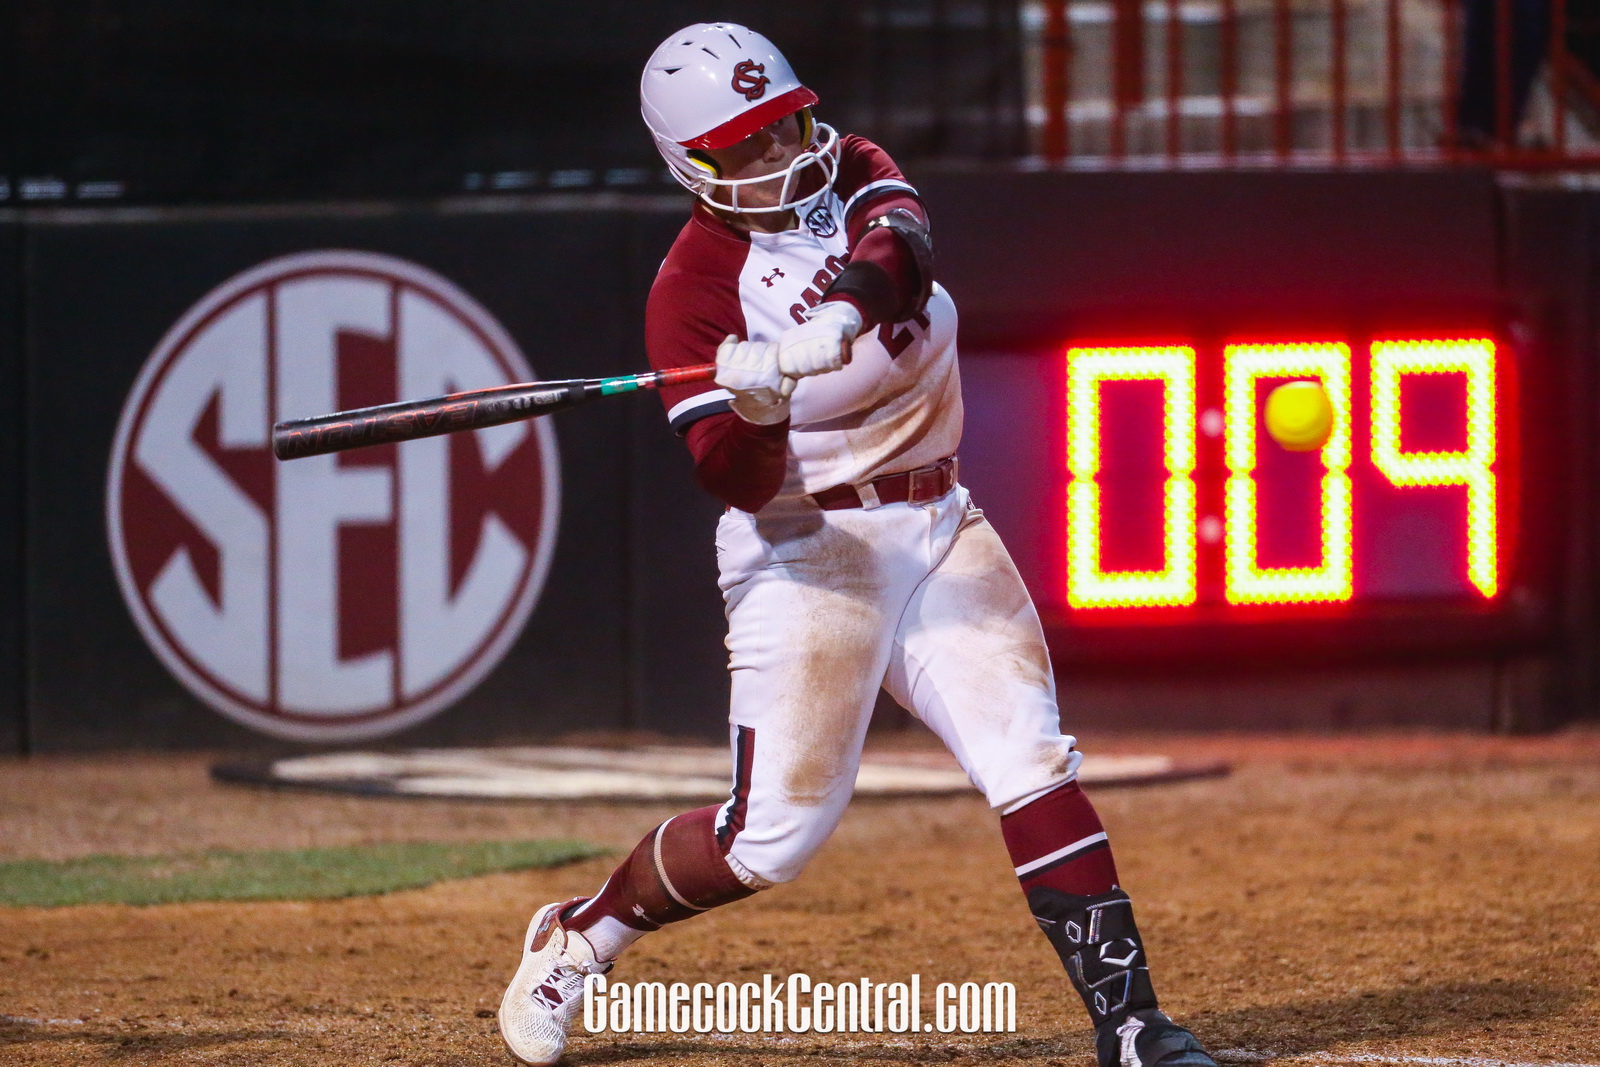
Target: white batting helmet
713,84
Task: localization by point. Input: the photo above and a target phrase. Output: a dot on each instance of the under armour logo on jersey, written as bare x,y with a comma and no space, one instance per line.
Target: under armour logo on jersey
820,220
749,79
777,272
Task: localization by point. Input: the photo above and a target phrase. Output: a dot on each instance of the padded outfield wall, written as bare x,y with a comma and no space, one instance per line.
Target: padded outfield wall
572,567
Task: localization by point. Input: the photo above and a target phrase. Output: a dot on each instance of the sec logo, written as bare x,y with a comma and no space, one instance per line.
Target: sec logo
331,598
820,221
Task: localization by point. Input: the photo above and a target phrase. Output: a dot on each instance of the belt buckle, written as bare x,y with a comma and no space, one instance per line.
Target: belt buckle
927,484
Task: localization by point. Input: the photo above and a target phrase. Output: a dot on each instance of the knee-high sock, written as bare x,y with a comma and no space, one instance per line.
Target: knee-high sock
1057,842
1064,863
676,871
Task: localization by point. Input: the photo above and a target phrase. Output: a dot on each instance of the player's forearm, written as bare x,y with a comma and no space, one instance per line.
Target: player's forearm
882,279
740,463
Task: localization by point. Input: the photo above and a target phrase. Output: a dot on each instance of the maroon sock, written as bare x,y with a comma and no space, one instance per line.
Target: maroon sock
678,870
1057,842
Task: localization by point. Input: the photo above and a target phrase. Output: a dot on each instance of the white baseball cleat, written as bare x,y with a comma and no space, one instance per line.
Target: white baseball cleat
547,991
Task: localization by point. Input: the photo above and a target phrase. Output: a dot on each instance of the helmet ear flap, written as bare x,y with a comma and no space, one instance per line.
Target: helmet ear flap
704,162
808,127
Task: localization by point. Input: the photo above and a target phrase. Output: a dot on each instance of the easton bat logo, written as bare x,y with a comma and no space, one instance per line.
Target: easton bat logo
473,410
402,426
337,597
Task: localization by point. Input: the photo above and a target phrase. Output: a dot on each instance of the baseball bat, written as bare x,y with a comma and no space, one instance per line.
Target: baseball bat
410,419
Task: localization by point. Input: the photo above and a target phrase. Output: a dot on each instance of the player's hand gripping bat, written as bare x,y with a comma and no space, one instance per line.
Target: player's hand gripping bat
410,419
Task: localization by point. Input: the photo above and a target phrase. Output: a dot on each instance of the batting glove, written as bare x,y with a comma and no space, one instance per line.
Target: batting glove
749,370
822,342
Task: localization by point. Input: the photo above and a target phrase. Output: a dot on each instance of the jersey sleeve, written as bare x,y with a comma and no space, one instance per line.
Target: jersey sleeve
882,281
693,306
740,463
686,318
869,183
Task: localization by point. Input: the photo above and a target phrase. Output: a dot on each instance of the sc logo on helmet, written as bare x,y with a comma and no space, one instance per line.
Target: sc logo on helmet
749,79
331,598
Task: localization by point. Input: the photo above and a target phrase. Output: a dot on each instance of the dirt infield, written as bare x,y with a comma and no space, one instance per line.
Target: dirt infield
1377,899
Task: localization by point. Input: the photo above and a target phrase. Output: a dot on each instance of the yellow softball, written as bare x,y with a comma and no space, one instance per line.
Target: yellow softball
1299,416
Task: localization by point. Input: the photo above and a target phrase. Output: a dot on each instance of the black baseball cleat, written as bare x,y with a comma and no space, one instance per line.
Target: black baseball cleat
1148,1039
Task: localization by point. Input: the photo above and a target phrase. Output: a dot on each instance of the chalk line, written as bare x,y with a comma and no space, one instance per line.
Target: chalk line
1242,1055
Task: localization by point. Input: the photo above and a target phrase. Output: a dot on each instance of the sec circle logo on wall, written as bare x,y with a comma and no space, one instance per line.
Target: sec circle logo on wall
340,597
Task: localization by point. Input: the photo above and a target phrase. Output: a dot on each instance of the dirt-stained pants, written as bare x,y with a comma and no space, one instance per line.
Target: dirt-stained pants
824,607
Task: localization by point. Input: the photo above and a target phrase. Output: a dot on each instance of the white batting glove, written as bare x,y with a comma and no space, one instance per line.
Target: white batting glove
749,370
822,342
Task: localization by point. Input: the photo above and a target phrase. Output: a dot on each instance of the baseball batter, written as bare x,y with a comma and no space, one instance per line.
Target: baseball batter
850,556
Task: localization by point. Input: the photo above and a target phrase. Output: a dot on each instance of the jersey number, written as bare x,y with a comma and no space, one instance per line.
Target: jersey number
897,341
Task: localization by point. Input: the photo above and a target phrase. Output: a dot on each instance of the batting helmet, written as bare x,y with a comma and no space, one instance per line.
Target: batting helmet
713,84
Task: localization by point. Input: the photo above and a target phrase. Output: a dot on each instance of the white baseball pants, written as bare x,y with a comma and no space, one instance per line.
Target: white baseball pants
824,607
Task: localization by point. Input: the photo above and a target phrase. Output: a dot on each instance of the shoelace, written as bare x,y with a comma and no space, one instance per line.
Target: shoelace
566,980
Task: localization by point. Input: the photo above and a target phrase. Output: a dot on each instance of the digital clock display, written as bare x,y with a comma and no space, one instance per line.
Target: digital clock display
1169,463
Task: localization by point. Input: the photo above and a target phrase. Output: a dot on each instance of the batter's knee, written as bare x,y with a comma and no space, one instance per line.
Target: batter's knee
777,850
1046,764
770,863
746,875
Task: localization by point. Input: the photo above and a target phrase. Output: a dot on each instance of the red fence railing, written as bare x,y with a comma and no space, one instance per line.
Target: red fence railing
1504,82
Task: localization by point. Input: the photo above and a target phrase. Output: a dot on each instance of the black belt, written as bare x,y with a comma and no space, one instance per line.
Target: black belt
921,486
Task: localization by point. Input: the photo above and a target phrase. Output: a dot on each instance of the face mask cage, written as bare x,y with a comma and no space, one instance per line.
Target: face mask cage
823,153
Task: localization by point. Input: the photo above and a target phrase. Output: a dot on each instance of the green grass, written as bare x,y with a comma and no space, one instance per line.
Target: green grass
305,874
